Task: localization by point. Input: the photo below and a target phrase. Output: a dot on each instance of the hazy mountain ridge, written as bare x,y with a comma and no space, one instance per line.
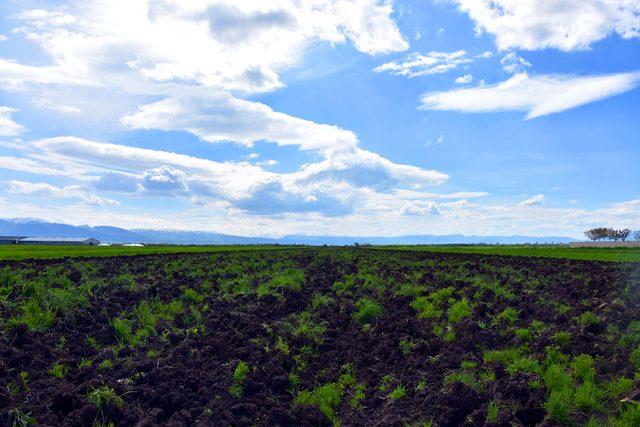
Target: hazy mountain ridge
36,227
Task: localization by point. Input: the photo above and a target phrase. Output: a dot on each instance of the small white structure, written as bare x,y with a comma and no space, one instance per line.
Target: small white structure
80,241
10,240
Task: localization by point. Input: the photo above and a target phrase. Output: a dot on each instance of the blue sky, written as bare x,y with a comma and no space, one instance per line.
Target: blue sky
360,117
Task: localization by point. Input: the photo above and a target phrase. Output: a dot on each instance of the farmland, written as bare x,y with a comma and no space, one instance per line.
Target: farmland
319,336
617,254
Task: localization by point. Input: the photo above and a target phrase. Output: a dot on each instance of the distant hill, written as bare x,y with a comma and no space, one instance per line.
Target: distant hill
198,238
40,228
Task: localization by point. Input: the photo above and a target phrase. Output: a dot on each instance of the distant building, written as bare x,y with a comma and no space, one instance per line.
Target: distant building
81,241
10,240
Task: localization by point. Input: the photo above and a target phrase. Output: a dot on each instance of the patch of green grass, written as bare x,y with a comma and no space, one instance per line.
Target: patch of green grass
634,357
583,369
367,310
562,337
321,300
545,251
466,378
524,335
18,252
304,324
398,393
105,396
629,416
282,346
618,387
105,364
588,397
508,315
85,363
386,382
58,370
513,359
326,397
493,412
238,378
406,347
588,319
560,406
123,331
192,295
34,316
458,311
557,378
18,418
425,308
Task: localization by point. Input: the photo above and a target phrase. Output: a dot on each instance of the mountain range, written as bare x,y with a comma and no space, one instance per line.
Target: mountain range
39,228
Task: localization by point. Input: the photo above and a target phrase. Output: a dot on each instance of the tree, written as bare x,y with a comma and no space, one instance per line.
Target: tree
605,233
624,234
613,234
591,234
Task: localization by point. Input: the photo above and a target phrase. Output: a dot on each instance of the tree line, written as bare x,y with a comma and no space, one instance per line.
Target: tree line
605,233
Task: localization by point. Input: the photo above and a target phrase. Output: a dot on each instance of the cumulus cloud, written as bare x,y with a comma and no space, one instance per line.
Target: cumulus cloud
329,187
416,64
363,168
41,189
8,127
165,179
463,80
420,208
272,198
561,24
537,95
536,200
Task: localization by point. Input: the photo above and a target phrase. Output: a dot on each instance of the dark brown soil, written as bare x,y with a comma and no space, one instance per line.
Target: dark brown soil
182,378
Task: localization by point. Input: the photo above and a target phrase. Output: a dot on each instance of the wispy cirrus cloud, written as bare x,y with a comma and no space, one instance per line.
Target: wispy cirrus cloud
416,64
537,95
43,189
8,127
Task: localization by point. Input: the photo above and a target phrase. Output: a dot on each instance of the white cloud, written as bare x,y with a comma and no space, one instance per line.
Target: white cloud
537,95
45,19
23,164
363,168
562,24
231,45
3,38
439,140
416,64
219,116
41,189
420,208
463,80
50,105
512,63
8,127
333,183
536,200
16,76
